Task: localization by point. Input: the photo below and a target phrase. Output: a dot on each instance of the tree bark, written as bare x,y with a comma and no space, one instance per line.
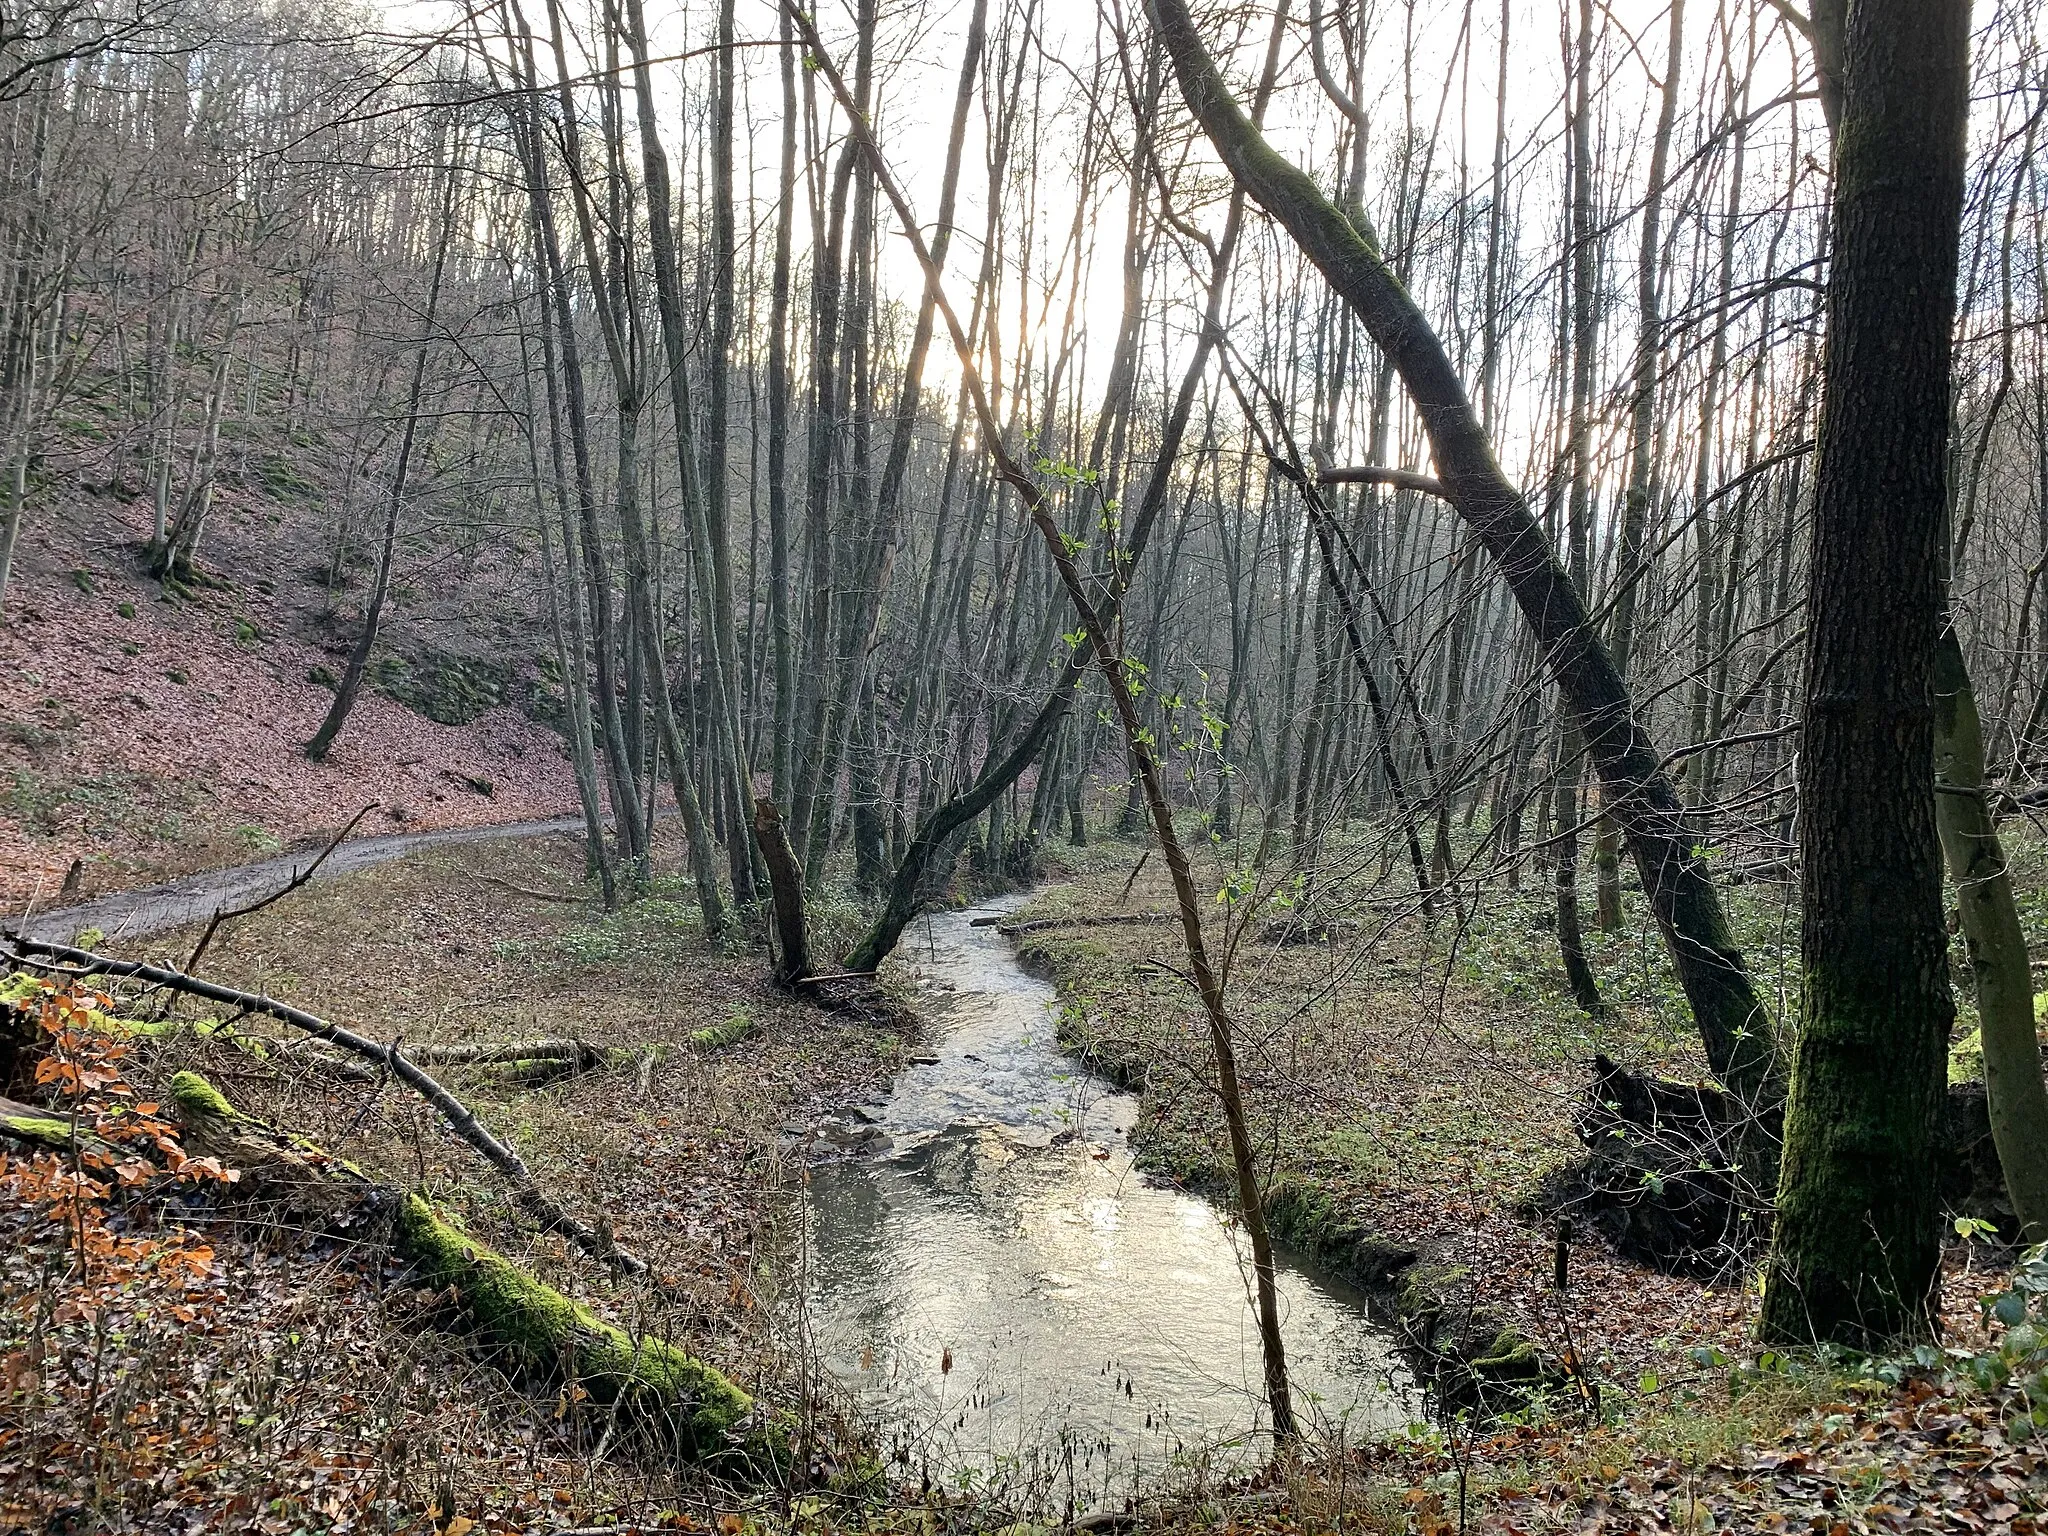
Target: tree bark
786,888
1858,1243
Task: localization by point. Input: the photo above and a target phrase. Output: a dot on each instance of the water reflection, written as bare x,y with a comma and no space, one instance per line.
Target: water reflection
1002,1284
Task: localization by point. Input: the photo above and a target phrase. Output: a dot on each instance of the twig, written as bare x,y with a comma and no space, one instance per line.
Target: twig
812,981
1136,869
567,1048
221,915
458,1116
527,890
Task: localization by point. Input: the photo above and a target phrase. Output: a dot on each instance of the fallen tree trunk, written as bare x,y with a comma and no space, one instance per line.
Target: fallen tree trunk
529,1328
1657,1180
53,1130
569,1049
458,1116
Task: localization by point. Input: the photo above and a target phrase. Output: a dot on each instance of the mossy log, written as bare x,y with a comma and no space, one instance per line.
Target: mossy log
45,1129
536,1331
530,1329
278,1170
1467,1354
719,1036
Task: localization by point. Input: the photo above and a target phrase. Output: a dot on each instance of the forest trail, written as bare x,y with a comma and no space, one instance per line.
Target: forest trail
151,909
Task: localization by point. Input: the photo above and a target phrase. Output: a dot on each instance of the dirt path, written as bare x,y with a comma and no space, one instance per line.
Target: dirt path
131,914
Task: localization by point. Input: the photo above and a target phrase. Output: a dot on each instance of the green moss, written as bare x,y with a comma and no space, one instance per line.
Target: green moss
541,1331
198,1100
451,689
719,1036
1510,1358
42,1130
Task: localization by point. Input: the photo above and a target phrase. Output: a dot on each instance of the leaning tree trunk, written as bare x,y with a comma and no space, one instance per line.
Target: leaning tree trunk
1858,1241
373,616
2004,981
1738,1033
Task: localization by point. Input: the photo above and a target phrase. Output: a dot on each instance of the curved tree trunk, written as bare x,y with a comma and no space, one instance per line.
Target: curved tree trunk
1738,1033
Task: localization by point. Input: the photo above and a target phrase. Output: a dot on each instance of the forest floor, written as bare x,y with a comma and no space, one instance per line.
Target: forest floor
149,729
1419,1081
147,737
294,1381
298,1385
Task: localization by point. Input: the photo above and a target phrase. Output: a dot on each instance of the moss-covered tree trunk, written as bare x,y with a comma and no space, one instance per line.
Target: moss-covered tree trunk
1998,946
1858,1237
528,1328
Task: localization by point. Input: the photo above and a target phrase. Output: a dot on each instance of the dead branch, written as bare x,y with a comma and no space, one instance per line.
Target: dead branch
1373,474
1105,920
564,898
565,1049
222,916
454,1113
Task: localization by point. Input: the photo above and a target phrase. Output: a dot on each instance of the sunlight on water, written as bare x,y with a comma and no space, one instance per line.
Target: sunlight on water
1003,1287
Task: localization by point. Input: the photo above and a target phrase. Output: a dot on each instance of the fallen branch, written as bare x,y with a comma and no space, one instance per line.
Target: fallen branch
815,981
458,1116
1106,920
222,916
564,898
565,1049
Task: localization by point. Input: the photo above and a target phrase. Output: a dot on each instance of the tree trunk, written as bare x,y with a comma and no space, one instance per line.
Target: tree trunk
1858,1241
373,616
1738,1033
1997,945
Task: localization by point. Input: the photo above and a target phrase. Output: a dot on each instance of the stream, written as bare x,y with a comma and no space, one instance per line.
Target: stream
988,1273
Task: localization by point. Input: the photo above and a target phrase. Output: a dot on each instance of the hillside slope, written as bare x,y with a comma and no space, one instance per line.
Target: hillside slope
146,733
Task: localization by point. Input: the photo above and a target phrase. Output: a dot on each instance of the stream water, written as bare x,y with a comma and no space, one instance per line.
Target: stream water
991,1275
